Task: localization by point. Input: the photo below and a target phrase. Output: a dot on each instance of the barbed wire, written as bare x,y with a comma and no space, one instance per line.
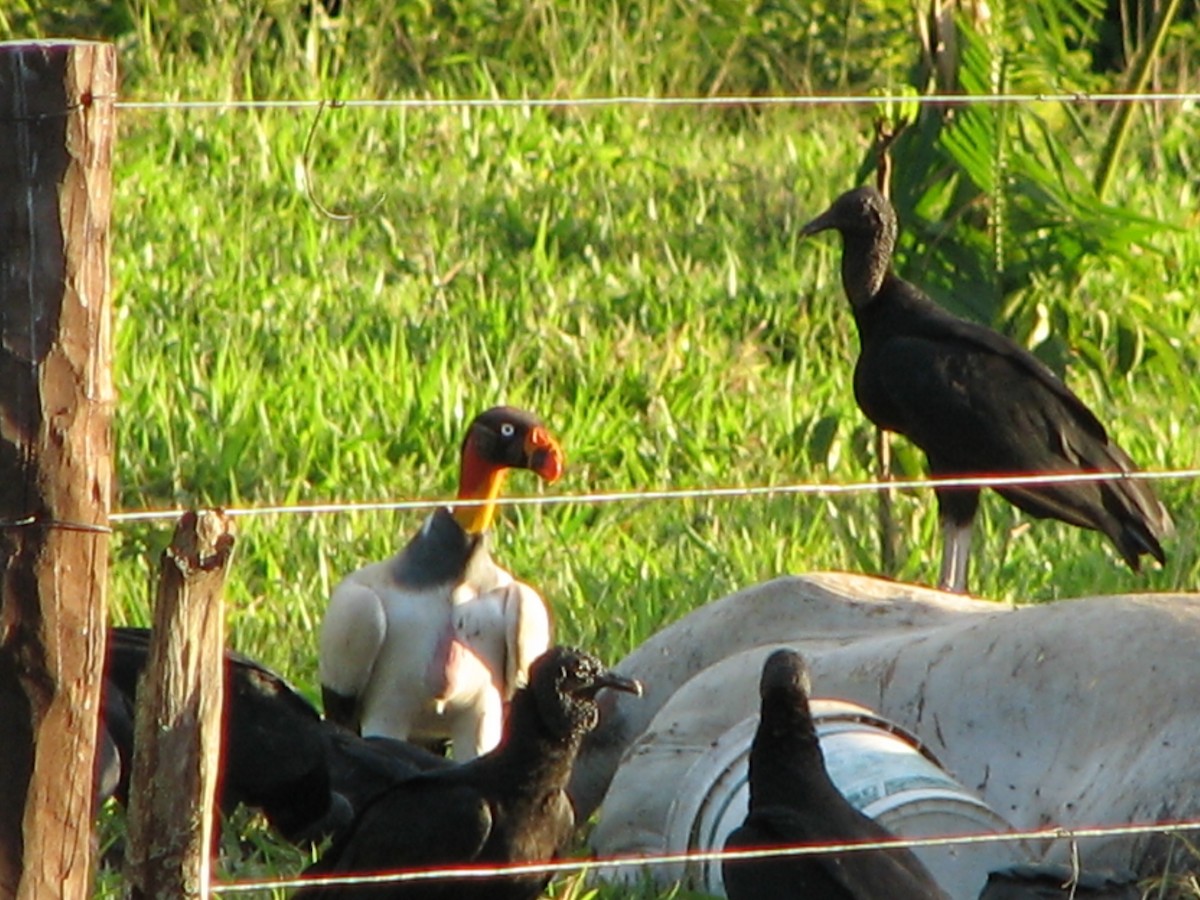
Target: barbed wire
700,493
434,103
1049,833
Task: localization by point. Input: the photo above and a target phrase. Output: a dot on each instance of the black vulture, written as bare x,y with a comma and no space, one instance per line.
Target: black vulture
362,768
430,644
307,776
507,806
977,403
793,801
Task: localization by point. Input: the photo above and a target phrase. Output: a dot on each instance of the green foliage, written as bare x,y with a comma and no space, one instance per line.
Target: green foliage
1000,215
631,274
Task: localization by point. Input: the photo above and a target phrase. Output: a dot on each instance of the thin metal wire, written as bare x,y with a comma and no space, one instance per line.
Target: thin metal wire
61,524
44,116
1077,97
650,101
701,493
478,872
662,859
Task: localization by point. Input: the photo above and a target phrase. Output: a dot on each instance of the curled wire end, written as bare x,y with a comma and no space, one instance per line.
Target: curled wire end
308,176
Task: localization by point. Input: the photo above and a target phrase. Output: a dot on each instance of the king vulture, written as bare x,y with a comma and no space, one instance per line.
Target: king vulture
431,644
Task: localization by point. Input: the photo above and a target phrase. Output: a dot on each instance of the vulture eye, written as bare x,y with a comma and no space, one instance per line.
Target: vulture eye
507,430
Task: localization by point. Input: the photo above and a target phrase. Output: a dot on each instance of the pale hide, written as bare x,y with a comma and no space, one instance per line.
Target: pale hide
1074,713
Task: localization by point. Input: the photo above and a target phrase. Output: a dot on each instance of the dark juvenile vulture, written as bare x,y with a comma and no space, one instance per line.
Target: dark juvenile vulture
429,645
307,776
793,801
977,403
507,806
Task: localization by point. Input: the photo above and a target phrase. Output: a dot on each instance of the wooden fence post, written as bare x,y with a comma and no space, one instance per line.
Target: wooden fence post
177,736
56,399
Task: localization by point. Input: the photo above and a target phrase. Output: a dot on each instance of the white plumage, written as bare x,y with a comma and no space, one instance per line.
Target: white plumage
431,644
432,663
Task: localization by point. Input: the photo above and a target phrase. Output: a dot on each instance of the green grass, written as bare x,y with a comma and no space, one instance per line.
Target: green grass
633,275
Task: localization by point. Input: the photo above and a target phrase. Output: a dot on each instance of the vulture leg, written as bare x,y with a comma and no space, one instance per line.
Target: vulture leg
956,513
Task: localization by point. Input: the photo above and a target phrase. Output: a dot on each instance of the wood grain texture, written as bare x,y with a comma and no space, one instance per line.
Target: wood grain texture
177,737
56,105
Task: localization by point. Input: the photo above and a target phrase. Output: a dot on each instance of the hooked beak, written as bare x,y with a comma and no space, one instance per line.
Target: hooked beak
545,456
820,223
611,679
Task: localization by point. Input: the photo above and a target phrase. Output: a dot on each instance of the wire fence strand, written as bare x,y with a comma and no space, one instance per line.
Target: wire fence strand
1048,834
435,103
1039,835
667,494
976,482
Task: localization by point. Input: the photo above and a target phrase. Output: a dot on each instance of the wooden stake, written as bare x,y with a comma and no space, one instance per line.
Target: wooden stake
56,398
177,736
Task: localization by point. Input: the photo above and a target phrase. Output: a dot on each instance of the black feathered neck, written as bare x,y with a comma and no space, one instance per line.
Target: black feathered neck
787,766
443,552
562,720
867,257
534,752
867,223
551,714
